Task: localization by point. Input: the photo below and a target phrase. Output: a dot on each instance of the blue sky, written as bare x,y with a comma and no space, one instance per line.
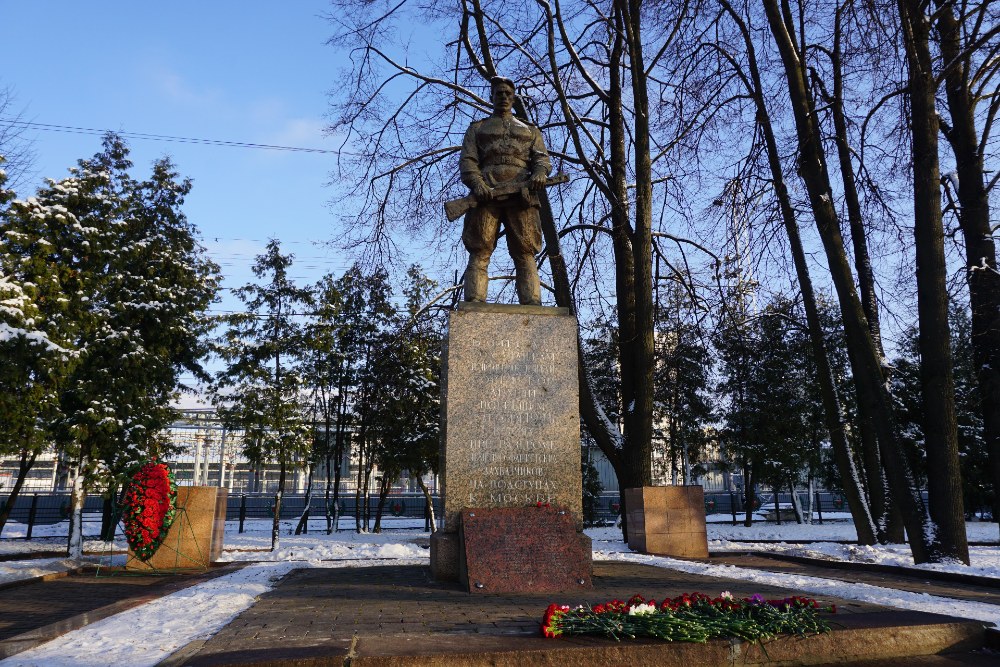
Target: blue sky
251,71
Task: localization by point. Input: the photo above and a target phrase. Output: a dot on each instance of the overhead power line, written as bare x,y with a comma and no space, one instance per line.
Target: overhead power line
49,127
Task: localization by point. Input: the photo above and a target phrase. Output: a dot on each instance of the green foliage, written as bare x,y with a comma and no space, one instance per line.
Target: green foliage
691,617
682,380
773,420
408,396
973,457
261,390
600,359
118,277
32,364
592,489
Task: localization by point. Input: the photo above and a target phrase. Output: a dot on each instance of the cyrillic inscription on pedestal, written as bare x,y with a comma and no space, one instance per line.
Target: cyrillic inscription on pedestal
511,419
510,424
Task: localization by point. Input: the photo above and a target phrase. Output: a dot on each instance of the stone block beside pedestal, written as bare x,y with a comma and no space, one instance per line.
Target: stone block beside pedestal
667,521
195,539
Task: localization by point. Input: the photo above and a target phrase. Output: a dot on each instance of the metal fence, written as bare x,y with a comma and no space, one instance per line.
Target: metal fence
36,514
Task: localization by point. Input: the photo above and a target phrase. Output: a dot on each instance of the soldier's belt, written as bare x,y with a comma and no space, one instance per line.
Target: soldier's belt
491,160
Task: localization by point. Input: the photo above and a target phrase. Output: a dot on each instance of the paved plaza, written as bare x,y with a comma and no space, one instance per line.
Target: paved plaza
396,615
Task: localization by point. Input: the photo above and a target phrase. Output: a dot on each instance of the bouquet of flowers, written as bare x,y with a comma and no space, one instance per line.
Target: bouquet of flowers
692,617
150,506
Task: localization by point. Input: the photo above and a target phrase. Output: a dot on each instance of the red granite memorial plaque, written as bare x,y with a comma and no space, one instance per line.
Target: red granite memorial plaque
522,549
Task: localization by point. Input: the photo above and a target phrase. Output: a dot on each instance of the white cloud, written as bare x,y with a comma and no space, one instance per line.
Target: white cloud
298,132
178,90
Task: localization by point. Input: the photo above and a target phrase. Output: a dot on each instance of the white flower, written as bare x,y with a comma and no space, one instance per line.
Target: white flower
642,610
726,595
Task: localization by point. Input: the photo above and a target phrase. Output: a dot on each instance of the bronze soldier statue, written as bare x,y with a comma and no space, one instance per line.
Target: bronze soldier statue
499,152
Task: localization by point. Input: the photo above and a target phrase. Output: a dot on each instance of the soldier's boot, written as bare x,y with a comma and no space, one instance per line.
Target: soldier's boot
528,286
477,279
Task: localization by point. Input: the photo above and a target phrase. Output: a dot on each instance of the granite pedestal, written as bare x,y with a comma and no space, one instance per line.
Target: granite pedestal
510,420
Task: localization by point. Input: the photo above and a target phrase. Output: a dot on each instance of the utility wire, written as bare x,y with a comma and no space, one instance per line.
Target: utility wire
49,127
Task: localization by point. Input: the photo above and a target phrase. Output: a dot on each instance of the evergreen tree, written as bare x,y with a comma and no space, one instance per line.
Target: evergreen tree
602,367
370,338
592,488
121,280
33,365
407,417
157,300
735,345
773,421
790,437
976,487
261,390
328,373
682,381
351,311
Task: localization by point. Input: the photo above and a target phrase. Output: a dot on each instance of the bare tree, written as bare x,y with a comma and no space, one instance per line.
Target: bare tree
749,77
786,28
967,36
584,76
15,147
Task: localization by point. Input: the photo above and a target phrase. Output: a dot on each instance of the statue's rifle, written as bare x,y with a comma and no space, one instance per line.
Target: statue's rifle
456,208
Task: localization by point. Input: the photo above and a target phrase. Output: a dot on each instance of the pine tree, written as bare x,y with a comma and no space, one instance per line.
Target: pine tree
120,280
407,417
158,296
976,487
261,390
370,337
33,364
682,381
328,373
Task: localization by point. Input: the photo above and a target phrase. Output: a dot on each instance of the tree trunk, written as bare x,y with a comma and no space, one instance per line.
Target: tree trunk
944,480
24,466
336,495
749,494
878,497
303,525
108,521
639,417
607,436
980,248
811,499
796,504
74,547
358,487
341,444
328,459
430,502
383,492
326,495
276,523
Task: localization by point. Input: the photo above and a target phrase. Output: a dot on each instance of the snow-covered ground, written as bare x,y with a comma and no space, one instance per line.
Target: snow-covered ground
199,611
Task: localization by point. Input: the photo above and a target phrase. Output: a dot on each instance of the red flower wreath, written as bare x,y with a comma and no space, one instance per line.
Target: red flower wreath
150,506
